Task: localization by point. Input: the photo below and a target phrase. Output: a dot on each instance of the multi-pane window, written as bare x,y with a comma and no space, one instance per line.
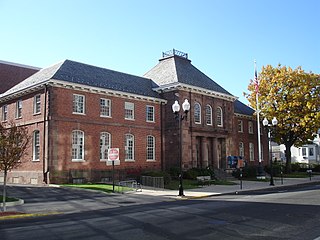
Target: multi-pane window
4,112
36,145
105,144
251,151
150,148
311,152
77,145
129,110
37,104
78,104
219,117
105,107
19,109
150,113
129,147
304,151
250,126
208,115
241,149
197,113
240,126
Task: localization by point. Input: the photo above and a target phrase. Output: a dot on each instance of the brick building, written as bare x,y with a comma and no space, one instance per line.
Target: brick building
13,73
75,112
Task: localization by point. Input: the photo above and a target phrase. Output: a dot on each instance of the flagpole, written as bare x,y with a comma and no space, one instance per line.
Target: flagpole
256,82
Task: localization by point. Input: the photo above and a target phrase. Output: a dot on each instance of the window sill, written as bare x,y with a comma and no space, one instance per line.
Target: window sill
76,113
35,160
151,160
105,116
130,119
129,160
78,160
38,113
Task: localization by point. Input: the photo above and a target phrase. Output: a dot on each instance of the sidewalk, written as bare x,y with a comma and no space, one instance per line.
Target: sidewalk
213,190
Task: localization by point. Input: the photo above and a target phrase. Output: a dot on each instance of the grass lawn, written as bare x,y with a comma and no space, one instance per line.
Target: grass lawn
8,199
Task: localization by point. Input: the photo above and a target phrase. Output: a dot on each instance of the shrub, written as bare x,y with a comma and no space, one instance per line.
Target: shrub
193,173
247,172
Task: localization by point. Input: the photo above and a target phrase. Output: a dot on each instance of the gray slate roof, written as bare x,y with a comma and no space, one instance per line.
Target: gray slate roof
178,69
243,109
89,75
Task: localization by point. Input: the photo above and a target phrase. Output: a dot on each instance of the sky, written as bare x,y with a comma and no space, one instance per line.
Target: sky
223,38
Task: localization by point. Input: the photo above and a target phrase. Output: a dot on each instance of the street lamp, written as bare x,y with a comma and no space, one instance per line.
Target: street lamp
265,123
180,117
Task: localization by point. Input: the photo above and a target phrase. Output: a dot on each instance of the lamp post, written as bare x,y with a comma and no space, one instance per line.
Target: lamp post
265,123
180,117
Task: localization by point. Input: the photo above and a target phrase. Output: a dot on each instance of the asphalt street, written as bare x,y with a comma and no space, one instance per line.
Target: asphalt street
291,213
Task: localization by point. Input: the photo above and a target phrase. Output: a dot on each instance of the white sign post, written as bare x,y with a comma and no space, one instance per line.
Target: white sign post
113,159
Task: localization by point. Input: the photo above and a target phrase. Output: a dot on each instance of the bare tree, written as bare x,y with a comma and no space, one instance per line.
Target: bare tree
14,141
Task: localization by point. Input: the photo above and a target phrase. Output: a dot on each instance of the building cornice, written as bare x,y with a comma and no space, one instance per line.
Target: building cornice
104,91
181,86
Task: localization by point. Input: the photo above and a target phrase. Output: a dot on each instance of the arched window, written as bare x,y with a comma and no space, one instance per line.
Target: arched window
197,113
36,145
150,148
241,149
77,145
219,117
105,144
208,115
129,147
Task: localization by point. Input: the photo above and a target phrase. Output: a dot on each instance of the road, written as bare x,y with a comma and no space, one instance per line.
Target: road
291,213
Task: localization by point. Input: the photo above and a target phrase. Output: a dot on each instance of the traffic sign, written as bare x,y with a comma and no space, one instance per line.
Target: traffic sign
113,154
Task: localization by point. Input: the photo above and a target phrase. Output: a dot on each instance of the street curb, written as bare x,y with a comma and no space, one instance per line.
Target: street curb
28,215
12,204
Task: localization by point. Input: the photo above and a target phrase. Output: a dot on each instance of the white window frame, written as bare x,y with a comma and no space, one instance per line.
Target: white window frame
105,144
37,104
79,104
208,115
197,113
251,151
77,140
219,117
241,149
151,148
240,126
36,146
4,113
19,109
105,107
129,110
250,127
129,147
150,113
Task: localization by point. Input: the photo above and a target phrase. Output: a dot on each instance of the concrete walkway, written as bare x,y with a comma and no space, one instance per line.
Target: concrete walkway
213,190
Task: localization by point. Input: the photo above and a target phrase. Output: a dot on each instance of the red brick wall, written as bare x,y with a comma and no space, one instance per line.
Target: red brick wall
11,74
64,122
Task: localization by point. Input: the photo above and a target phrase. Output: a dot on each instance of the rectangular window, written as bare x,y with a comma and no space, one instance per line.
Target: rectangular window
304,151
240,126
78,104
36,145
150,113
150,148
36,104
129,147
250,127
5,113
105,107
311,152
129,110
251,151
19,109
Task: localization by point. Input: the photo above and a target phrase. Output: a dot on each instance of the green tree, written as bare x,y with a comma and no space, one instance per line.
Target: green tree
14,141
292,96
